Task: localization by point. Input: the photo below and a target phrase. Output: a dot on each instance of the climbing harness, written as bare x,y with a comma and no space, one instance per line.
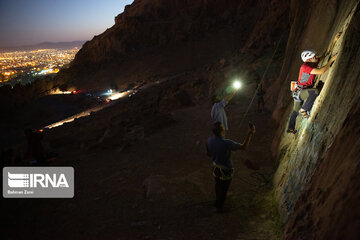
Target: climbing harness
292,85
295,91
222,173
296,96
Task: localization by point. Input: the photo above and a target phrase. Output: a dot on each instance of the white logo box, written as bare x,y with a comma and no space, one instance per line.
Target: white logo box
38,182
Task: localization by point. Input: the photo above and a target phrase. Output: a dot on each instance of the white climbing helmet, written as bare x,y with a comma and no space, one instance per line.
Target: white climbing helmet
307,54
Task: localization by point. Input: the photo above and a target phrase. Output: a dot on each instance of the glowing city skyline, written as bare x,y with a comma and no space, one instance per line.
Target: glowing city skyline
24,66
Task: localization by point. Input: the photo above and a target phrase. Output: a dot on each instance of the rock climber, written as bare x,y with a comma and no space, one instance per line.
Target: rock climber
303,92
219,149
260,97
218,113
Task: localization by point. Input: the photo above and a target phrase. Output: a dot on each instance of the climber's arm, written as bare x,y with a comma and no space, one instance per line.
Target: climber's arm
317,71
251,132
230,96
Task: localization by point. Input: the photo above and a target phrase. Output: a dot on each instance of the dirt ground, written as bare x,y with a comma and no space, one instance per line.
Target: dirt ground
160,188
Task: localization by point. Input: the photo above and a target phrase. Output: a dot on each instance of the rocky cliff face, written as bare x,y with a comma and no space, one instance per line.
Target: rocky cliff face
316,183
162,38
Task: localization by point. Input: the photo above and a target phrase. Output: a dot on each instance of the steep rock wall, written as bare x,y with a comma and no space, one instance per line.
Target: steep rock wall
329,205
313,26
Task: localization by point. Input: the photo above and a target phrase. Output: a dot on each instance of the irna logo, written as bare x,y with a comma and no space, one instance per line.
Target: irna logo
19,180
38,182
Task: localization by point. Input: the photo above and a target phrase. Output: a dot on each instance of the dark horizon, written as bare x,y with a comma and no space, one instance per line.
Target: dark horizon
44,45
42,42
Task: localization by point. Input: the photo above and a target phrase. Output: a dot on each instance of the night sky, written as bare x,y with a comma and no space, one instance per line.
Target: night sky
25,22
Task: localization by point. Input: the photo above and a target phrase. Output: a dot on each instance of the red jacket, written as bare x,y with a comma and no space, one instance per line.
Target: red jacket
306,79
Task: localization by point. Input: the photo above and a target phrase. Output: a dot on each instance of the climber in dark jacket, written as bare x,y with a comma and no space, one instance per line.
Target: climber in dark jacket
260,97
219,149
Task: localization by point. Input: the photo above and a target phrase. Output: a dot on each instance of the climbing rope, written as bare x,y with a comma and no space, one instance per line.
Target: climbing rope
262,80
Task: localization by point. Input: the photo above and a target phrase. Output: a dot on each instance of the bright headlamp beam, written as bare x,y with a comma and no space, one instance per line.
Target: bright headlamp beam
237,84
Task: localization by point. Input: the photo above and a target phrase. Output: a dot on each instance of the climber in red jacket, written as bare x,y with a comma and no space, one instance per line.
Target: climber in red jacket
304,94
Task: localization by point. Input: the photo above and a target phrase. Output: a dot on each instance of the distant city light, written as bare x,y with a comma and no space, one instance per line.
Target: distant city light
65,92
119,95
58,91
116,96
22,66
109,92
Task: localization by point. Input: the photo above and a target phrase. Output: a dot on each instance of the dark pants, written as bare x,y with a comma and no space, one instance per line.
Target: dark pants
221,188
307,95
311,96
292,120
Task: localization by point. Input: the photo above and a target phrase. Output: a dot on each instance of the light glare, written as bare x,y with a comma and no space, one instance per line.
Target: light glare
237,84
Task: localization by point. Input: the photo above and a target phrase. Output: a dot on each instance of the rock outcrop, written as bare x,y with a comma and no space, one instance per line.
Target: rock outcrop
316,183
151,39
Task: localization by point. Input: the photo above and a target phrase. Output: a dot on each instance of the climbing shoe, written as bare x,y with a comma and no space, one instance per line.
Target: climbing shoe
293,131
304,114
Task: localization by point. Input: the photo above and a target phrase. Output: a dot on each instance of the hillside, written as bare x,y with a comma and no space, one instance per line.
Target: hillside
140,164
153,39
